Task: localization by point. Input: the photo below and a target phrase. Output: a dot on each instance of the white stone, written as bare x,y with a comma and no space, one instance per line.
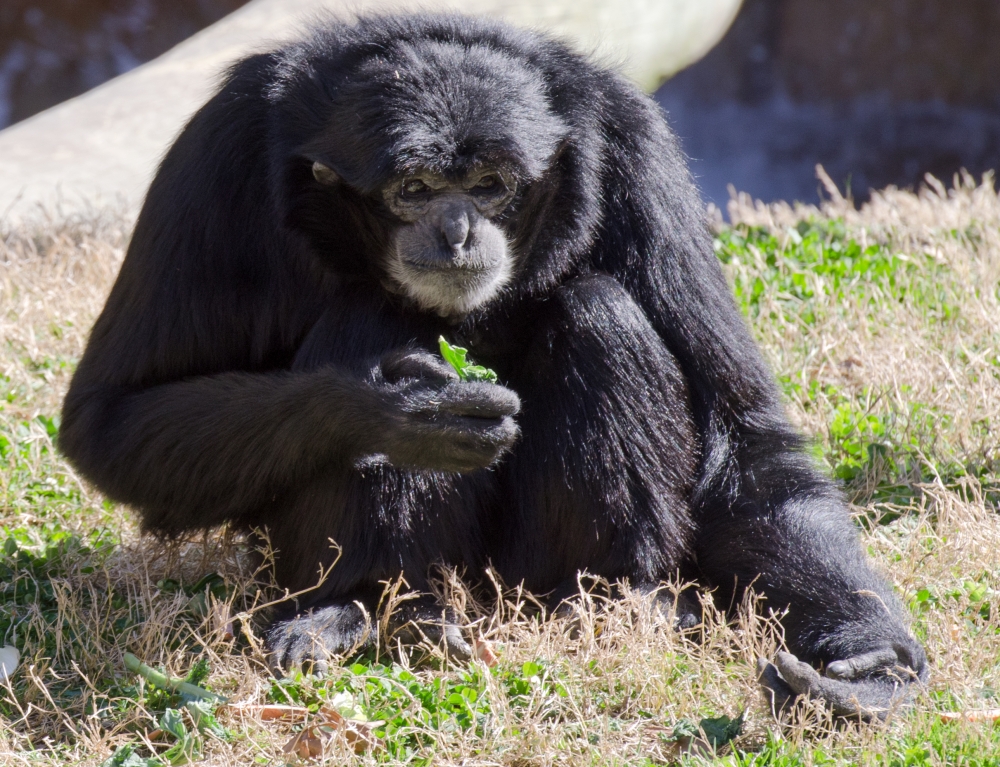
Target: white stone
103,146
9,658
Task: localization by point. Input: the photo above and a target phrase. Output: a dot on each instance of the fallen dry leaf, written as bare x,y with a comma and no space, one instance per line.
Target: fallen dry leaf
221,619
305,745
483,651
268,712
311,741
975,715
358,734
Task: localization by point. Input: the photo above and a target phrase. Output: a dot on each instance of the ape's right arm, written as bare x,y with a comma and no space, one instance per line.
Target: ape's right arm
193,453
184,405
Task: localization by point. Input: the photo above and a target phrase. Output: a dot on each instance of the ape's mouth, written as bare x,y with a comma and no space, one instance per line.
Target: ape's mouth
445,268
449,289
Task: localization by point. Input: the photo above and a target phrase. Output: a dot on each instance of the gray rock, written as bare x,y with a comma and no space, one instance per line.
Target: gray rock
101,148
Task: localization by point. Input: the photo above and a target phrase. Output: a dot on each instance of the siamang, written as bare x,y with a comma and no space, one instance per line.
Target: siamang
267,356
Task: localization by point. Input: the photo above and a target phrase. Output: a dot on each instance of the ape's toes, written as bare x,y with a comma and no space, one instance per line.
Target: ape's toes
310,639
800,676
859,686
682,609
778,695
458,648
423,621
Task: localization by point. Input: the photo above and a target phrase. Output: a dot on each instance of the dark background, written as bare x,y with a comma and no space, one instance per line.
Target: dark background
51,50
878,91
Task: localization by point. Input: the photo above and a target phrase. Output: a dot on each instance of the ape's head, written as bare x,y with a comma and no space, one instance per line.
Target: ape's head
423,151
446,249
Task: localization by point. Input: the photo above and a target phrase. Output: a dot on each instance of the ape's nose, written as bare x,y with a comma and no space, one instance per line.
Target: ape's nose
456,230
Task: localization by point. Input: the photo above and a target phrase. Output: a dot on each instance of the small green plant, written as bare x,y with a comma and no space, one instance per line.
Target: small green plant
185,688
176,698
405,708
456,356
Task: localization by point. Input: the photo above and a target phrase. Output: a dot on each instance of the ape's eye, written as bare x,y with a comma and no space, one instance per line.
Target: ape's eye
413,187
489,181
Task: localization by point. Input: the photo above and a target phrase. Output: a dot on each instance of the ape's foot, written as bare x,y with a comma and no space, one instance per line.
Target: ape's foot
574,598
867,686
682,608
312,638
423,621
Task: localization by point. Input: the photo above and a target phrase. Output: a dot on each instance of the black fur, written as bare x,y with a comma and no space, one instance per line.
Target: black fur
252,365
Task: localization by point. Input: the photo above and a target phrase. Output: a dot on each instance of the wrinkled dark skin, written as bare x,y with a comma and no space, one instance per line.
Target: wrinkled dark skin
439,423
868,686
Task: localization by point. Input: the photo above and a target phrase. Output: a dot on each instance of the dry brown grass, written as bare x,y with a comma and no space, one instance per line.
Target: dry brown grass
950,365
621,684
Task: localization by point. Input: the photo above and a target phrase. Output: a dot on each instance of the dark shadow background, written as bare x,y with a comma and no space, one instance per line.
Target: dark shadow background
878,91
52,50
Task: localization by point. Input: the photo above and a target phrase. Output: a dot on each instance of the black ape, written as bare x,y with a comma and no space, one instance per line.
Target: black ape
266,356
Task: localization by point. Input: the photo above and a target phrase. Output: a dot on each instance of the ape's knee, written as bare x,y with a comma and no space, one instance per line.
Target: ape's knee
597,317
594,298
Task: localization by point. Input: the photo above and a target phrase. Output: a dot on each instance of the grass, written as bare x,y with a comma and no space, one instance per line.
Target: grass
883,326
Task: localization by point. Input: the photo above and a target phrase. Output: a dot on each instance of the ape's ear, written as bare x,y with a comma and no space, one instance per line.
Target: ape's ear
324,174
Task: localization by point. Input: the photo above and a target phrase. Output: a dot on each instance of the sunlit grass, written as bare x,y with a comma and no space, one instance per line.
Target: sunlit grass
883,327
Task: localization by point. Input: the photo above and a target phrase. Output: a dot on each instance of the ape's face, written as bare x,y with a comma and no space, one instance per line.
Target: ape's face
447,254
440,136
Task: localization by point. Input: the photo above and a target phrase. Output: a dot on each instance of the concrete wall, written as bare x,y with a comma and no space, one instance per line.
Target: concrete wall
878,91
52,50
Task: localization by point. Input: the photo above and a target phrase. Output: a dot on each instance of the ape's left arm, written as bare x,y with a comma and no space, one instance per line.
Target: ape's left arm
766,518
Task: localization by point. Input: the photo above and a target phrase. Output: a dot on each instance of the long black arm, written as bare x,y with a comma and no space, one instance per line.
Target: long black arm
185,404
766,517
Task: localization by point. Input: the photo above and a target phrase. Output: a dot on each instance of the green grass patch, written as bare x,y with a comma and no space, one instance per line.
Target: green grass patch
816,268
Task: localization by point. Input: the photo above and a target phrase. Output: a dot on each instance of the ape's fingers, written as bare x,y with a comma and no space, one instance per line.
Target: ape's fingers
423,620
805,680
862,665
478,400
800,676
458,648
867,698
409,363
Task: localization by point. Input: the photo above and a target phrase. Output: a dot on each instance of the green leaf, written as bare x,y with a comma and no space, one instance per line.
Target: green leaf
125,756
188,746
198,673
685,728
184,751
720,730
531,669
456,356
172,722
203,715
453,355
345,705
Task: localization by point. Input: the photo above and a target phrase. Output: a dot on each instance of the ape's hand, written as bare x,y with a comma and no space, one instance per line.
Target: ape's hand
436,422
406,363
869,686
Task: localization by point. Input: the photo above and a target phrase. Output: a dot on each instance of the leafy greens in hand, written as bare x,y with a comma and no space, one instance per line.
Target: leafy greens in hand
456,357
